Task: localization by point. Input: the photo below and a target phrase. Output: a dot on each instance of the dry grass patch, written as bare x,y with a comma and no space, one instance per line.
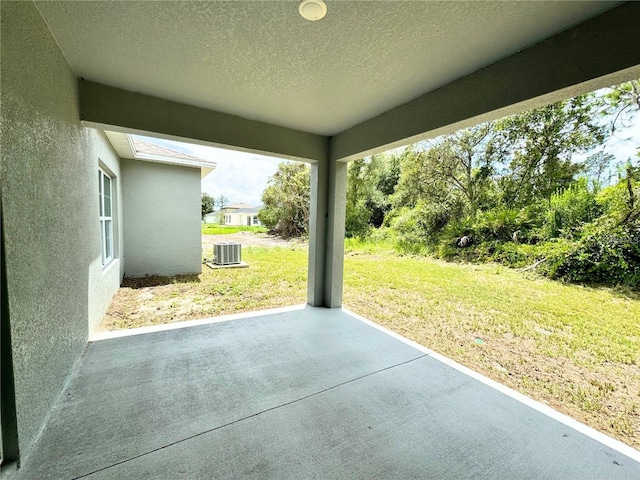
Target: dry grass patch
277,277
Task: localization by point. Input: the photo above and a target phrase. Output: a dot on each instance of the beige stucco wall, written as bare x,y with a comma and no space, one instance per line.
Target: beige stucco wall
50,215
240,219
162,222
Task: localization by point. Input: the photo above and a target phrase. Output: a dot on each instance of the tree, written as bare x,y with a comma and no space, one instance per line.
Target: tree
370,183
359,189
385,171
423,202
455,169
287,199
207,204
598,169
622,102
222,202
542,143
465,161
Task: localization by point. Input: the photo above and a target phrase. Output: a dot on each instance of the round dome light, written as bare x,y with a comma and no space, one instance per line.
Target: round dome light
312,9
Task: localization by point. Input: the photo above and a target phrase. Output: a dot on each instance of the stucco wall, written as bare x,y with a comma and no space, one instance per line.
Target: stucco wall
105,281
240,219
50,214
161,219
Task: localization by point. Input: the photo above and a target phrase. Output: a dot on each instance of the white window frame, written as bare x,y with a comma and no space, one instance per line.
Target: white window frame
106,221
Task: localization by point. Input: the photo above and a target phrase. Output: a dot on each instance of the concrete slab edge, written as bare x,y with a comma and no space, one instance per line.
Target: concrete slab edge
610,442
97,336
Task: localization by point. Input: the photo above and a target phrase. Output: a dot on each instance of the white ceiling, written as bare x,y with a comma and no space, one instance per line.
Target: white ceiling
263,61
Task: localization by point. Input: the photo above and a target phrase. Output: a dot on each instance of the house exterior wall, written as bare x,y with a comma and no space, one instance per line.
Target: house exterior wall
50,216
162,233
104,281
213,218
240,219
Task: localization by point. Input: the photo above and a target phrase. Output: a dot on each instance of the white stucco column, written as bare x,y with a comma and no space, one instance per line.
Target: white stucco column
326,233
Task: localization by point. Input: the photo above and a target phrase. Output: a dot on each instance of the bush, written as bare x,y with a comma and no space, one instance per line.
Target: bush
501,224
418,229
607,255
569,210
357,220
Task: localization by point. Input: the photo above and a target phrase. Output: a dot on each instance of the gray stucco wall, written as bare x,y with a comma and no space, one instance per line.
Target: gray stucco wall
50,214
161,219
105,281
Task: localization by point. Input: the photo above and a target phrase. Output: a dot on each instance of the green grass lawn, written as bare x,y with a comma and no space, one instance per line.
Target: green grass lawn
574,348
213,229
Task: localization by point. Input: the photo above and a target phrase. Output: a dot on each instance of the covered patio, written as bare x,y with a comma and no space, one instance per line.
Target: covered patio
303,392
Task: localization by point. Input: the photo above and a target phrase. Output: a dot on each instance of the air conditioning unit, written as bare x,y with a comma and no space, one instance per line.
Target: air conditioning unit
227,253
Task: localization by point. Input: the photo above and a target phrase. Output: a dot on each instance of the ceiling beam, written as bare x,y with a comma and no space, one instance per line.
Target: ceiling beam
596,53
120,110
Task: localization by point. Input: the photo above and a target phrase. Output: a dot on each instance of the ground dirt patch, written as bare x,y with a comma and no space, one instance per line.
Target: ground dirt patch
249,239
276,277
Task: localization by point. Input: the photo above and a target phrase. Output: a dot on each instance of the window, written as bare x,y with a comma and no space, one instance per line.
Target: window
255,220
106,218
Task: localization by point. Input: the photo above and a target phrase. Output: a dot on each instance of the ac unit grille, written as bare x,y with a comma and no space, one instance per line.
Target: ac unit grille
227,253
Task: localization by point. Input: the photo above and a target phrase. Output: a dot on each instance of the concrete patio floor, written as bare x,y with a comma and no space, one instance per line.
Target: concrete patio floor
302,393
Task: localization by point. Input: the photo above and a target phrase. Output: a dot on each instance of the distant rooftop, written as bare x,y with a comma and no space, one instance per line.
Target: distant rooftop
239,205
134,147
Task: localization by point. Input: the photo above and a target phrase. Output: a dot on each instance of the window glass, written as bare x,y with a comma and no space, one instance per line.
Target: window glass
107,196
106,219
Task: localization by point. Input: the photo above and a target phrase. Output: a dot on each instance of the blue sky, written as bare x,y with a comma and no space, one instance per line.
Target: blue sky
242,177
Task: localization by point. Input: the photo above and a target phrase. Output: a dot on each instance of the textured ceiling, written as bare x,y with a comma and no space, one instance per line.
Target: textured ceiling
263,61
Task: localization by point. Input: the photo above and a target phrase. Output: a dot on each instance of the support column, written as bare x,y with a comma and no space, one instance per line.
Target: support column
326,233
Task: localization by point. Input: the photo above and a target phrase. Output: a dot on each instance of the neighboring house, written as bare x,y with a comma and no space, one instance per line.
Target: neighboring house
78,212
237,214
212,217
241,214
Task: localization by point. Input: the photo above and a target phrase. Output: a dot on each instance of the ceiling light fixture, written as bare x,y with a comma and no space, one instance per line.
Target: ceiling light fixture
312,10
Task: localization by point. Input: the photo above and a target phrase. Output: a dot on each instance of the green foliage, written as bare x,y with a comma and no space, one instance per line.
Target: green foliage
370,184
287,200
522,191
607,255
541,144
621,202
570,210
421,227
621,103
499,224
207,204
357,220
222,202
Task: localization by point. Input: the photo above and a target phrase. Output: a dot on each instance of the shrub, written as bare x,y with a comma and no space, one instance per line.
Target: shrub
502,223
608,254
569,210
357,220
418,229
